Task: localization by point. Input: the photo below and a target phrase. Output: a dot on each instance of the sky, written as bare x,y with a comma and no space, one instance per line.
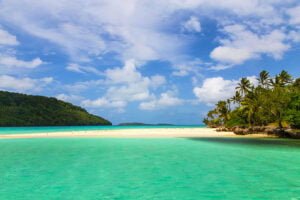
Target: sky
149,61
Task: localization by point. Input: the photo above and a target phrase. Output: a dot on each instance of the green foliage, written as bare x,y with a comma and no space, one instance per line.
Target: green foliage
26,110
293,111
237,118
274,100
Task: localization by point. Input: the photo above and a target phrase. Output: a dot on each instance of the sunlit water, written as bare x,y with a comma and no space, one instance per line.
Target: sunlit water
180,168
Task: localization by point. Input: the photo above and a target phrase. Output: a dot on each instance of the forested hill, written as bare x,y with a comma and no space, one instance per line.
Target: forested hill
27,110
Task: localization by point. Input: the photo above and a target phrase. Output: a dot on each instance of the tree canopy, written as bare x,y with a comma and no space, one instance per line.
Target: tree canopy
27,110
275,100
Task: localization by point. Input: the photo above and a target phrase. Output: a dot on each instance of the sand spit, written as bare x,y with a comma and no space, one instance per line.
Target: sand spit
134,133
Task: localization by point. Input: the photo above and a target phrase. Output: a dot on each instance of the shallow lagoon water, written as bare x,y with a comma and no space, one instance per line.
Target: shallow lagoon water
203,168
53,129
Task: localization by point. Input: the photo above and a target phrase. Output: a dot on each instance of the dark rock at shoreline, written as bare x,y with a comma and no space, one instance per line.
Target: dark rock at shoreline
285,133
293,133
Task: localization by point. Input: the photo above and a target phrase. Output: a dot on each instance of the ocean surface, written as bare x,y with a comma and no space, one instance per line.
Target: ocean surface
49,129
149,169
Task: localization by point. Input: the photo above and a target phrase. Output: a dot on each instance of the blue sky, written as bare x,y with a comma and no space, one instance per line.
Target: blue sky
145,61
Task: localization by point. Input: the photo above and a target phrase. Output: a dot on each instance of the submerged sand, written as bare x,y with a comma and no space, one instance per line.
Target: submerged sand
134,133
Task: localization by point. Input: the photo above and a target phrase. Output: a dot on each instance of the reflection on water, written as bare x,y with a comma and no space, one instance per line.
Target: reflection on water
263,142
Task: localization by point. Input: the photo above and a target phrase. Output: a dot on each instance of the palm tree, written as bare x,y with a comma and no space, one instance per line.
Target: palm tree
250,106
264,79
223,110
282,79
244,86
237,98
228,102
285,77
297,83
276,82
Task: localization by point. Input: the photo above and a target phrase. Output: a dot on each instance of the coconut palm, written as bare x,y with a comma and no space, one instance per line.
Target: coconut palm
244,86
237,98
282,79
296,84
264,79
285,77
223,110
250,105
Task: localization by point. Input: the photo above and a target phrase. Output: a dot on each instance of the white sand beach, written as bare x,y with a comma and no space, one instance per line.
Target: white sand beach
134,133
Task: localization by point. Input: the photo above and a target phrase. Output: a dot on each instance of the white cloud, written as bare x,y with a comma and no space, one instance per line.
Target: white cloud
125,84
294,14
244,44
157,81
294,36
9,63
232,55
23,84
7,39
126,74
192,25
131,92
215,89
185,68
104,103
220,67
13,62
253,80
74,67
140,30
86,29
165,100
69,98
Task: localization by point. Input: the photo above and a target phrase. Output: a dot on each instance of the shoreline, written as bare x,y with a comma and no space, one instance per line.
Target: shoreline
136,133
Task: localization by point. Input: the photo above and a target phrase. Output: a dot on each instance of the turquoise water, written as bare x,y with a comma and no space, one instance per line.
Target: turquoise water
49,129
147,169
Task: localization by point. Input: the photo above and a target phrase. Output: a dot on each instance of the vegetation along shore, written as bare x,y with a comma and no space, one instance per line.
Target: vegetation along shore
272,106
28,110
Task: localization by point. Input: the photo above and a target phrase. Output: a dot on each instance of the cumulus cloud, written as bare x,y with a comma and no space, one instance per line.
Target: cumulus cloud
244,44
192,25
12,83
167,99
125,84
215,89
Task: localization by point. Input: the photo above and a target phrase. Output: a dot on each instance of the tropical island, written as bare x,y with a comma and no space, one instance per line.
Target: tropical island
272,106
28,110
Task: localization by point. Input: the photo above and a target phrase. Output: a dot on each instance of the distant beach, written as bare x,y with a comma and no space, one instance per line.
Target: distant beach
163,132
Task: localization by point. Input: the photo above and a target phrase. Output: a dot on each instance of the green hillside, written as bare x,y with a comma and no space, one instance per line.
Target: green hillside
27,110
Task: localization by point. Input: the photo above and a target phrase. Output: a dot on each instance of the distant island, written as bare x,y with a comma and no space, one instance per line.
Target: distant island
28,110
143,124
